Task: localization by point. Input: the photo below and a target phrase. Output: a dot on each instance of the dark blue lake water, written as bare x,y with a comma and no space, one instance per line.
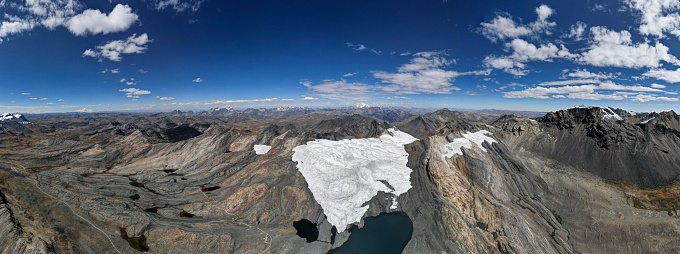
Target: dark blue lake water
385,234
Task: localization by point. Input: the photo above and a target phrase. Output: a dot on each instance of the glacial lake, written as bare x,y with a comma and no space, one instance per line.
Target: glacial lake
385,234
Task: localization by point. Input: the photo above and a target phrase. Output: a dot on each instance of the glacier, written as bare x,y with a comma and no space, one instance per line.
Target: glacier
345,174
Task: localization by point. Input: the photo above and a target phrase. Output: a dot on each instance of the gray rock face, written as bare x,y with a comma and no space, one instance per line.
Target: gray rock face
106,186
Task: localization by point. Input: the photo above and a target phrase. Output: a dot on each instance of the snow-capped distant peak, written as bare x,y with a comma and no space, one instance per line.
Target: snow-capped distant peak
9,116
361,105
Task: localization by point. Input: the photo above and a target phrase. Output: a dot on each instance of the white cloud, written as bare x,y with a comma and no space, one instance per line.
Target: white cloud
166,98
104,71
649,97
48,13
178,5
14,27
130,83
197,80
397,98
95,22
504,27
122,80
340,90
242,101
115,71
599,91
657,16
585,74
43,99
576,32
33,98
25,93
615,49
362,47
655,85
422,75
349,74
49,103
113,50
570,82
287,99
60,100
134,92
307,98
142,71
666,75
522,52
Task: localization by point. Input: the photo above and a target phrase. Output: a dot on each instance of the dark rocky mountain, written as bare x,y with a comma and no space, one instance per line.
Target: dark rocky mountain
573,181
616,150
440,122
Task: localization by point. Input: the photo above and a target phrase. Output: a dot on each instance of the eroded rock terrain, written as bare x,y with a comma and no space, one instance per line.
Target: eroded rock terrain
572,181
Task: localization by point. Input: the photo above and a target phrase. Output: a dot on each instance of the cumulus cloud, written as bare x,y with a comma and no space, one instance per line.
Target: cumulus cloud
49,14
657,17
25,93
93,21
576,31
423,74
504,27
606,90
616,49
134,92
15,27
349,74
166,98
522,52
142,71
666,75
113,50
197,80
655,85
115,70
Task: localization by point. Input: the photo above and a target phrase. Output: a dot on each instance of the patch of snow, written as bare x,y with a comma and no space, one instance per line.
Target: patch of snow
466,141
394,203
647,121
345,174
261,149
609,113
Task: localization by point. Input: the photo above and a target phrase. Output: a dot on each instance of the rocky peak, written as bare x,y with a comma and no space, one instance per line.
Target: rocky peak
511,118
570,118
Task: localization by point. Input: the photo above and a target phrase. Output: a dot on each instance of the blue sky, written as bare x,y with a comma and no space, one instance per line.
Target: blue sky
160,55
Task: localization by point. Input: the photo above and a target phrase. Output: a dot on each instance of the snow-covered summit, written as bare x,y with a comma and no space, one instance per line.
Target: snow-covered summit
13,117
362,105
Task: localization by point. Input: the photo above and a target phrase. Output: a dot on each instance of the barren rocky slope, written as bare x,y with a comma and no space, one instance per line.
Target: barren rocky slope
193,184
